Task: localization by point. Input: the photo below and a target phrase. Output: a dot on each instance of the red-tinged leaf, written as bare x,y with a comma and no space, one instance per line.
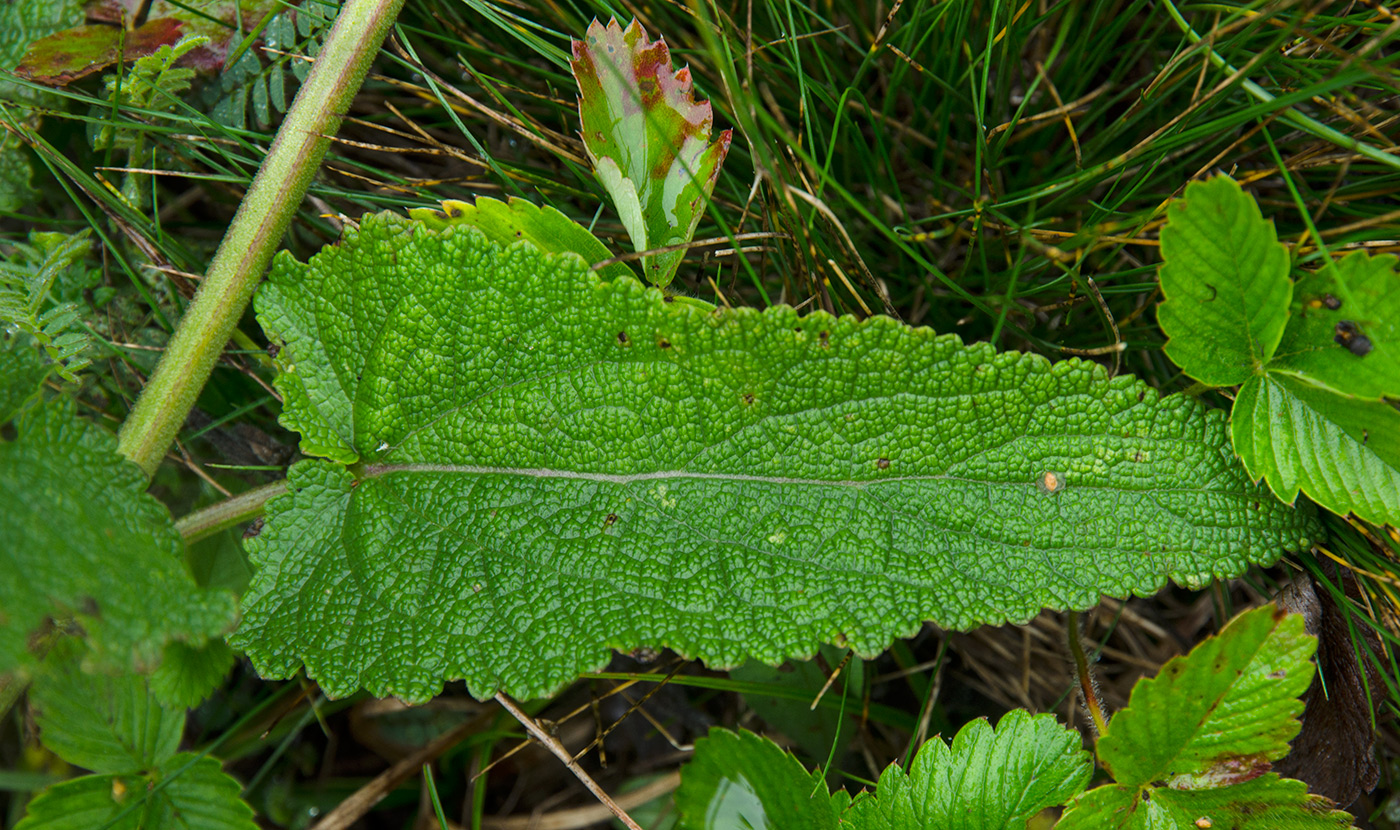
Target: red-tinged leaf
648,139
66,56
73,54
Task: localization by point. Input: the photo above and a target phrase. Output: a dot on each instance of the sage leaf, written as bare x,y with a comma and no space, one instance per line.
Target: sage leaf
530,466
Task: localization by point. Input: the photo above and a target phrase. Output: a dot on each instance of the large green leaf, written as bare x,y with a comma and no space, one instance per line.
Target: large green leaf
648,139
1341,451
1196,741
101,722
1224,282
987,780
188,792
82,541
548,466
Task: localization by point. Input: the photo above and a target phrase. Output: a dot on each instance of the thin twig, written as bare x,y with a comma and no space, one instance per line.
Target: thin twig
562,754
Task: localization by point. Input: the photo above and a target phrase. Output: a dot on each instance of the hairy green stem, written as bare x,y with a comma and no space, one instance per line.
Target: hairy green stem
1088,685
1289,114
257,230
207,521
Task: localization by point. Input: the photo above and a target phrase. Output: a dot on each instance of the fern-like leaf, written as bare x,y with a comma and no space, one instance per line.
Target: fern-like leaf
27,280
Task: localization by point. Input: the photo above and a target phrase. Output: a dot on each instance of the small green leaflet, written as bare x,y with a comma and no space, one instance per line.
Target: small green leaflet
648,139
1196,741
113,726
506,222
531,467
987,780
1225,283
101,722
1318,363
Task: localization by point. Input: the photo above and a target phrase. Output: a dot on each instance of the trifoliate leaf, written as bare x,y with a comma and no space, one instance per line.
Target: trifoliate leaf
551,466
1342,451
187,793
739,779
1309,416
648,139
101,722
987,780
1194,746
92,548
1225,283
1344,332
507,222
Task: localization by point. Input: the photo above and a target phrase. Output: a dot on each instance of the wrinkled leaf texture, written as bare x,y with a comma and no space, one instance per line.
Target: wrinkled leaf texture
531,466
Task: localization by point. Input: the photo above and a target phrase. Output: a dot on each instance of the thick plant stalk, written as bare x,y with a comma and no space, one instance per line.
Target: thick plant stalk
257,229
203,523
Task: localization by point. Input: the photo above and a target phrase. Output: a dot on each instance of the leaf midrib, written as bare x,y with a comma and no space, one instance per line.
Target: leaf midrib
379,470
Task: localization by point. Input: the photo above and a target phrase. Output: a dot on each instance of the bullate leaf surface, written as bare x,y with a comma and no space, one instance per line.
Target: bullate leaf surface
530,466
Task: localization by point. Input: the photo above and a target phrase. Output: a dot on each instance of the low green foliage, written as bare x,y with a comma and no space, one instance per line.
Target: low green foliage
27,279
1319,363
114,727
95,549
521,464
1192,750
